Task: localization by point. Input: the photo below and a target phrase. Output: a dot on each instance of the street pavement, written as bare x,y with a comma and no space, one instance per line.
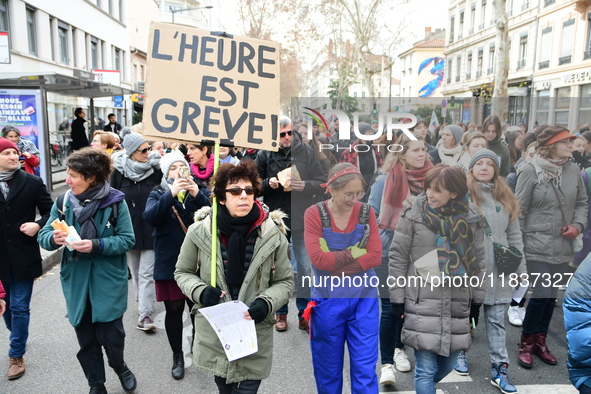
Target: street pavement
52,367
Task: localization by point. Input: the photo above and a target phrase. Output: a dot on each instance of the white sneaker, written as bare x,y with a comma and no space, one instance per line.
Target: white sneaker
401,361
514,316
387,376
521,311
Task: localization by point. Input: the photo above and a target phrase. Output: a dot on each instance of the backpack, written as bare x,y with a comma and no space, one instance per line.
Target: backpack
61,202
363,220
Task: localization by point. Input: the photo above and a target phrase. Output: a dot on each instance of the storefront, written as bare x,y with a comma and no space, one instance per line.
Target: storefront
42,105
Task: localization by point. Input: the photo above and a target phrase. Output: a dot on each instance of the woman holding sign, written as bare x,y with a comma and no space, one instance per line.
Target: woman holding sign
437,262
252,266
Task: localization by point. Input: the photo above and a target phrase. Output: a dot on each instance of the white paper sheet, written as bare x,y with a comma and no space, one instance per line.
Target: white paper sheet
71,238
520,291
237,334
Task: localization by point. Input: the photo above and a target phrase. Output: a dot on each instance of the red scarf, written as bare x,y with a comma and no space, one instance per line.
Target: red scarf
397,188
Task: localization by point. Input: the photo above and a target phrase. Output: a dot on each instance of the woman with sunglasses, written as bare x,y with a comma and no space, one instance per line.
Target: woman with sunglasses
170,209
253,267
137,172
343,242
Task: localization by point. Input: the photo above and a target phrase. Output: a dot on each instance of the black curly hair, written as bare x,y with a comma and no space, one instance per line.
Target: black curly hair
90,162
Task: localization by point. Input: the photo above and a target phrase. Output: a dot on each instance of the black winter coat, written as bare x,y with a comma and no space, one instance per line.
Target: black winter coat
20,253
136,195
168,233
269,164
79,137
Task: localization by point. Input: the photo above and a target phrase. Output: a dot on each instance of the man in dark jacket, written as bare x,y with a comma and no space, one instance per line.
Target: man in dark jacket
112,126
79,136
292,153
20,195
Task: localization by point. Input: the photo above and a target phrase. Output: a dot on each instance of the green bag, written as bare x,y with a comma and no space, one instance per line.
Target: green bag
507,258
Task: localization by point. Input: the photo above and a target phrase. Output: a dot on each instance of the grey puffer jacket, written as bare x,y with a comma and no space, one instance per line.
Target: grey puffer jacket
436,318
498,290
541,218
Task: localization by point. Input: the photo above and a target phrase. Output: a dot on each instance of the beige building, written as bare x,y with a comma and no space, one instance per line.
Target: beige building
416,85
562,76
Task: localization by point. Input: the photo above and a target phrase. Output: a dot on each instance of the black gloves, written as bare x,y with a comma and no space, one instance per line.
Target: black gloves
210,296
398,311
258,310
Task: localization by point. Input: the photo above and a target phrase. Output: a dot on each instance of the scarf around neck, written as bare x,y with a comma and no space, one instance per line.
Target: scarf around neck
86,205
136,170
236,229
4,178
449,156
549,170
453,236
203,174
399,185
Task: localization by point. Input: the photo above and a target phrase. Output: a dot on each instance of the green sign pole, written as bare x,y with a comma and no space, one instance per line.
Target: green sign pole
214,222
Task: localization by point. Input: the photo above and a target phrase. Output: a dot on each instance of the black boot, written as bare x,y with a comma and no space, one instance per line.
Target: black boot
178,365
127,379
99,389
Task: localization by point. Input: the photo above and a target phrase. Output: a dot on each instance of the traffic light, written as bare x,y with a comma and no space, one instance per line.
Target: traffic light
375,110
452,101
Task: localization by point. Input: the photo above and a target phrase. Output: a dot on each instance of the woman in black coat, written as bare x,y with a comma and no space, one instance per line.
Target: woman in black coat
137,172
175,200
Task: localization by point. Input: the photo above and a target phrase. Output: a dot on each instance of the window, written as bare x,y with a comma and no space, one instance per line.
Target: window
62,31
469,66
522,51
543,106
117,59
525,5
472,18
585,108
491,59
51,37
461,27
3,15
562,106
449,70
363,94
120,10
483,15
94,53
587,54
546,47
451,29
110,7
458,68
510,7
548,2
74,54
31,31
566,46
479,63
354,94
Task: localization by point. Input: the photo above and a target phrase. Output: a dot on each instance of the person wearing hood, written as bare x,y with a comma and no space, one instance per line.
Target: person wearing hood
137,172
253,267
367,159
171,208
448,149
93,270
292,153
491,128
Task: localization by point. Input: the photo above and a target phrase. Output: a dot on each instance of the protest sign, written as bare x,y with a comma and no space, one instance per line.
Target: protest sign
201,87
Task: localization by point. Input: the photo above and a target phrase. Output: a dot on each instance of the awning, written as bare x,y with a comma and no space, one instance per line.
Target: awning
62,84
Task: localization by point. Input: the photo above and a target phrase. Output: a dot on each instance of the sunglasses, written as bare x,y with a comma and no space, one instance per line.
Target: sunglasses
145,150
237,191
282,135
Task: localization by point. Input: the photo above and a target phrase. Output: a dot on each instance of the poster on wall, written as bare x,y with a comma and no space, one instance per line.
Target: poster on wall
23,109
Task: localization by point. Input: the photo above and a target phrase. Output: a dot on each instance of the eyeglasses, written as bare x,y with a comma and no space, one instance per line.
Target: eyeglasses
282,135
357,196
237,191
145,150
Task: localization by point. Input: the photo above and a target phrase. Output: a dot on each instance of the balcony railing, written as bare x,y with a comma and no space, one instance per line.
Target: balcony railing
564,60
468,76
544,64
587,55
478,73
521,64
457,78
548,2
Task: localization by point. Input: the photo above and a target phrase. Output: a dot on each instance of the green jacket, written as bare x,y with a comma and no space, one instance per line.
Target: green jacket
269,277
100,277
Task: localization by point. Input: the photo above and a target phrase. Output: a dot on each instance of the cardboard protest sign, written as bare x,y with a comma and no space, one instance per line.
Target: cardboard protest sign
206,88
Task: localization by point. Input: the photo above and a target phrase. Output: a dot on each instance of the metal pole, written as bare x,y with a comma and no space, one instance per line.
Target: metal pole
91,119
214,223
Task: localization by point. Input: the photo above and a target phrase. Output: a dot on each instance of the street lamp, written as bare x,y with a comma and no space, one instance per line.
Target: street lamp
187,9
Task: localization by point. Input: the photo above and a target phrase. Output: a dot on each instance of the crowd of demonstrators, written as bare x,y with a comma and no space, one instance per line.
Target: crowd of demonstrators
256,270
471,143
160,147
93,274
401,177
448,149
104,141
137,172
367,159
500,211
340,144
342,239
441,233
29,154
326,158
228,155
170,209
422,129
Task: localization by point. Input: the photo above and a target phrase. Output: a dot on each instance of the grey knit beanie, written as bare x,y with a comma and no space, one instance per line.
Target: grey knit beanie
131,142
484,153
456,131
168,160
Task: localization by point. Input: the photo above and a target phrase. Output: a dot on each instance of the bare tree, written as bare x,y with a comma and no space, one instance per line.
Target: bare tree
499,101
